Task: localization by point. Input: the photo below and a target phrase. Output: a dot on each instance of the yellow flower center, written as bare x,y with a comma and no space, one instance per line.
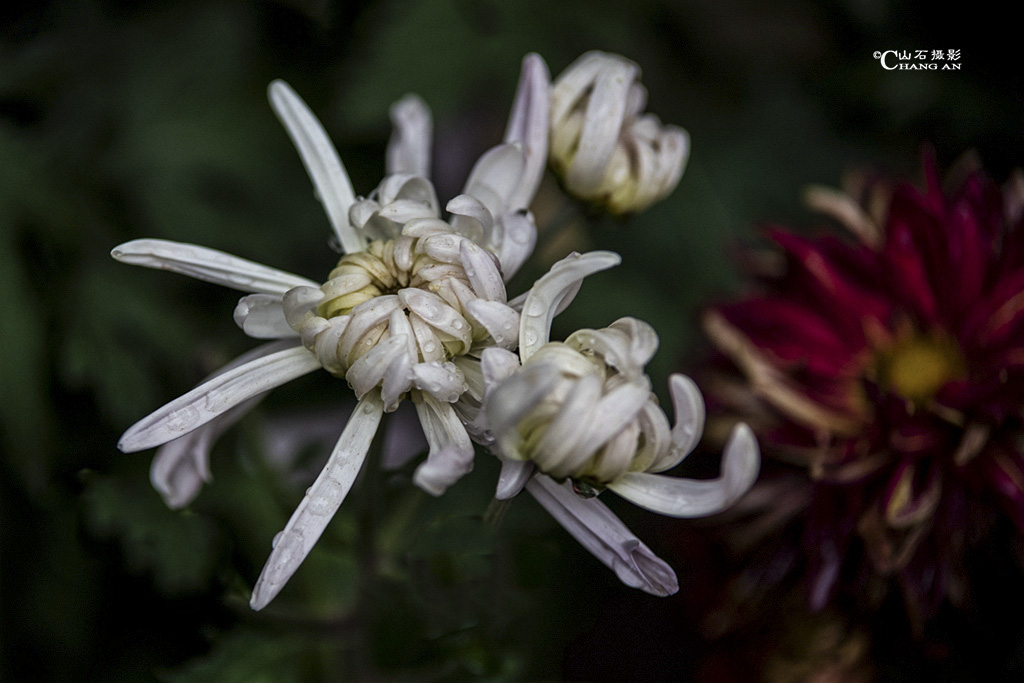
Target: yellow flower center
917,367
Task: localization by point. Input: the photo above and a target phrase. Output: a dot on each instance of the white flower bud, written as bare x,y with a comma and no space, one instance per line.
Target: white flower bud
602,147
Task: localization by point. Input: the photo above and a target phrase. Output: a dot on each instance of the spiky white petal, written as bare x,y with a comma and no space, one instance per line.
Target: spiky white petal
216,396
207,264
321,501
321,159
602,533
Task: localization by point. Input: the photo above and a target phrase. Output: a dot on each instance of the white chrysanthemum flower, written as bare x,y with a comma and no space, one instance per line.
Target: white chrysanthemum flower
410,300
602,147
582,412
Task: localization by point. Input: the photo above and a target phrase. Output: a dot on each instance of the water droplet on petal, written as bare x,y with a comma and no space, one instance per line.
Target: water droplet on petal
457,324
277,538
530,338
429,347
536,307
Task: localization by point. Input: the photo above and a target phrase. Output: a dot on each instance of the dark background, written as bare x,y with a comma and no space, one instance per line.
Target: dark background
121,120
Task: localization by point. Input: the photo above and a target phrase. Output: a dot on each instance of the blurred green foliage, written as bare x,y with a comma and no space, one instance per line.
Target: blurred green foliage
121,120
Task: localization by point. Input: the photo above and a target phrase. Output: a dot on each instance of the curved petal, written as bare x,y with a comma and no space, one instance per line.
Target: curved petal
513,477
547,293
689,408
482,271
451,451
261,316
409,147
209,265
598,530
519,237
677,497
216,396
528,125
601,125
515,397
320,503
321,159
496,176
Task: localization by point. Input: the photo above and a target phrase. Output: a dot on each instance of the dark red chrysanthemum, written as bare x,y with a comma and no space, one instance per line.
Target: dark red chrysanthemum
890,367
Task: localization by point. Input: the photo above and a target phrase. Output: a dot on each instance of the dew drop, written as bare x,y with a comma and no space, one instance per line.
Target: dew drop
367,408
277,538
530,338
508,325
457,324
429,347
536,307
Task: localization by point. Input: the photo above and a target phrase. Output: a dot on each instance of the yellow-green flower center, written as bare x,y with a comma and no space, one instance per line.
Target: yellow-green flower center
918,366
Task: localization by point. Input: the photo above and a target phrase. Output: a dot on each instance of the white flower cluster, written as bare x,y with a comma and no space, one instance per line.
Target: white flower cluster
417,310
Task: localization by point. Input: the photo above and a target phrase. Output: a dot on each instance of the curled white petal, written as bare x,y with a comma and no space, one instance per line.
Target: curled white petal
598,530
603,120
676,497
548,292
519,237
689,408
513,477
409,147
497,364
261,316
520,393
451,451
216,396
320,503
321,160
495,177
482,271
371,368
443,381
207,264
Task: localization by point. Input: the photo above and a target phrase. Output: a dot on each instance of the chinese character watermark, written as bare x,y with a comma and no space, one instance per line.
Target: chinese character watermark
919,60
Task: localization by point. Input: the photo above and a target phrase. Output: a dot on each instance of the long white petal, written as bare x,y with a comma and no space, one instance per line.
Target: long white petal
598,530
321,501
409,147
261,316
180,467
217,396
451,451
676,497
321,160
209,265
528,125
547,293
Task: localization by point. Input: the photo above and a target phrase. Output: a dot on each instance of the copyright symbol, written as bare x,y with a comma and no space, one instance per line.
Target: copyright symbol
877,55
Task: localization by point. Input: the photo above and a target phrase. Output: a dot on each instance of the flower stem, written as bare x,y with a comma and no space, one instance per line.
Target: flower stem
495,512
